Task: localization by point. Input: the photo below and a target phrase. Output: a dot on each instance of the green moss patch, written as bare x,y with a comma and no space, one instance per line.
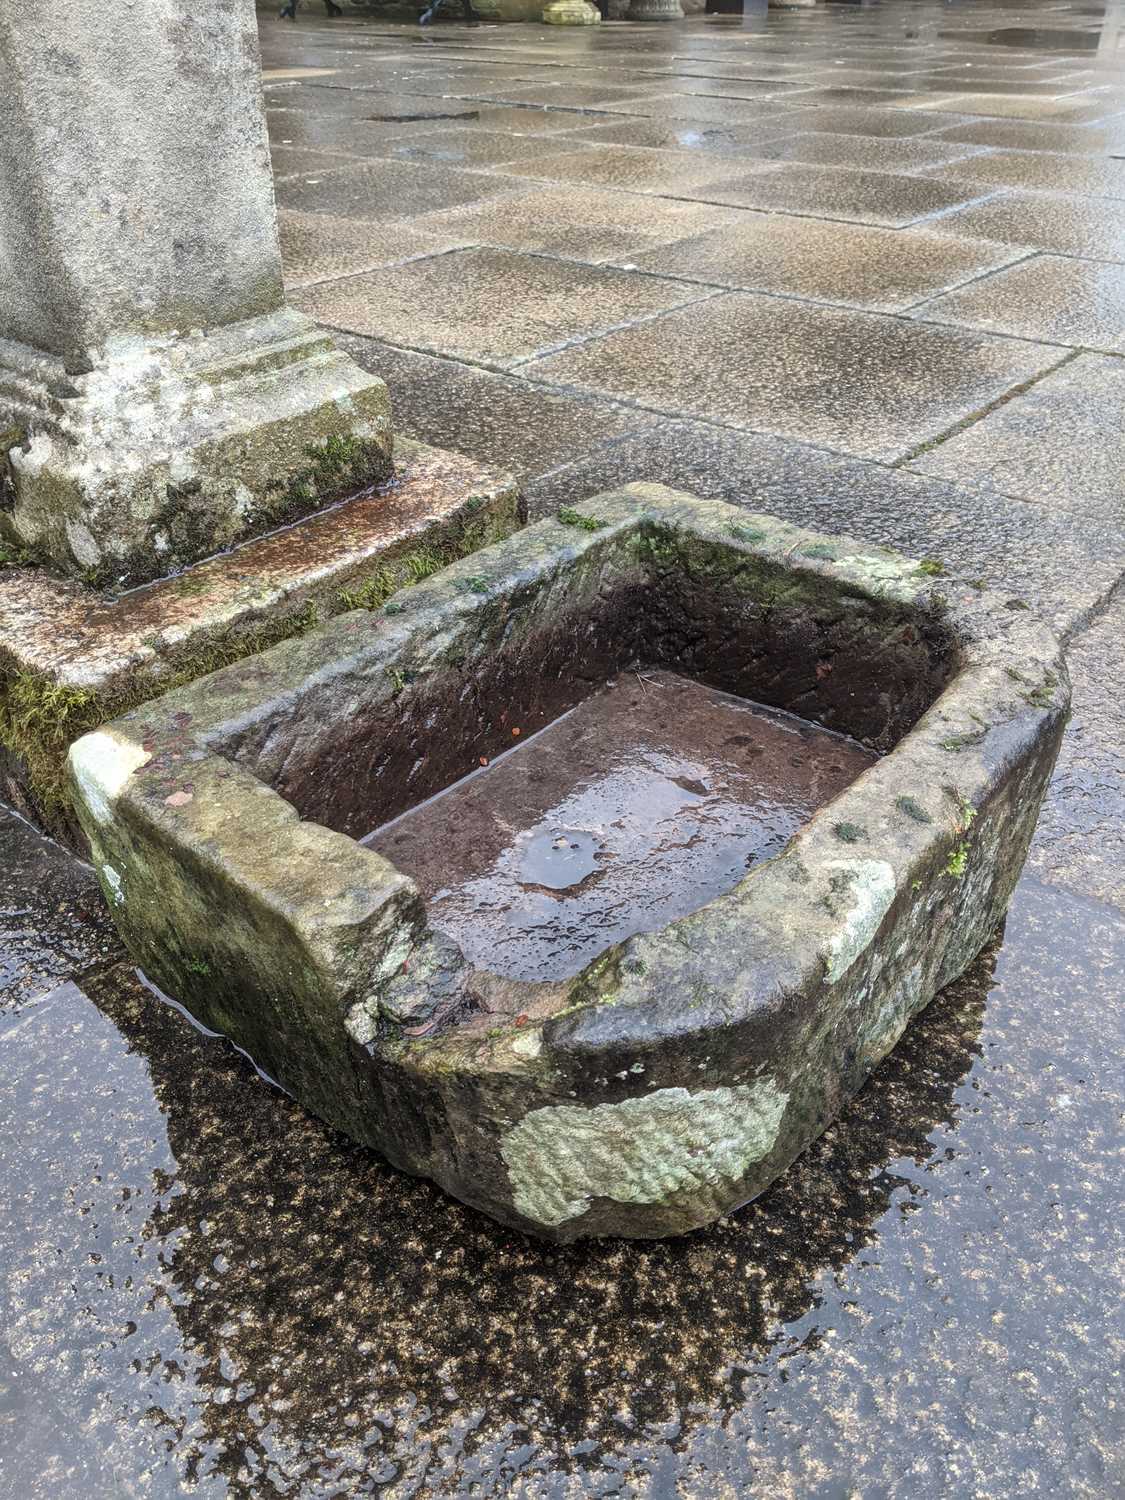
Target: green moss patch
338,467
40,719
419,563
571,517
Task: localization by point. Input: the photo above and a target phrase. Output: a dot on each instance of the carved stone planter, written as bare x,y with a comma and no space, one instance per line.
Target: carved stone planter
672,1068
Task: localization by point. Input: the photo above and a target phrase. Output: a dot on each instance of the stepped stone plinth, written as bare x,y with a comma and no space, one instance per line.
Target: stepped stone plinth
158,400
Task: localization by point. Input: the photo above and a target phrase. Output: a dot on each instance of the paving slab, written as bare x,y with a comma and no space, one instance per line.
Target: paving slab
1066,111
463,146
1066,224
1021,135
509,424
1040,171
577,223
861,152
309,97
320,247
215,1254
384,190
561,95
856,264
529,120
291,161
871,386
355,139
1049,297
850,94
899,124
1064,571
1080,843
491,307
671,106
637,169
1060,444
682,135
747,87
893,199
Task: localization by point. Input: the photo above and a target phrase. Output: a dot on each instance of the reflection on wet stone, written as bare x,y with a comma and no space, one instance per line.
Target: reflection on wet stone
268,1306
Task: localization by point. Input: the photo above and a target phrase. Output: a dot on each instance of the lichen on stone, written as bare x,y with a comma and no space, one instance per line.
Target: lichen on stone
648,1149
913,809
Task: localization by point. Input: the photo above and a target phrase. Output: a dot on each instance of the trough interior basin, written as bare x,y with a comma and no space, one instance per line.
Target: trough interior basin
641,803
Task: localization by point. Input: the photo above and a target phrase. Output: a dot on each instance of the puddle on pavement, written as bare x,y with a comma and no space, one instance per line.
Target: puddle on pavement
647,800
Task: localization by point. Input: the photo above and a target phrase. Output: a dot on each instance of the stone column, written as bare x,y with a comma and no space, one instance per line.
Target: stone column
571,13
158,400
654,10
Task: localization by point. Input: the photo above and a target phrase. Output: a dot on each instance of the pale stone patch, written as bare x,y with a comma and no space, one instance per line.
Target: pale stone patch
530,1044
101,764
642,1150
871,890
113,884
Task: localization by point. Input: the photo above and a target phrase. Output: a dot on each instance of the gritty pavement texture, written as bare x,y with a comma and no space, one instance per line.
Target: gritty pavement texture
206,1292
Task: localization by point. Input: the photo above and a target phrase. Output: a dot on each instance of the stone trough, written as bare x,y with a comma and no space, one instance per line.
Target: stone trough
691,811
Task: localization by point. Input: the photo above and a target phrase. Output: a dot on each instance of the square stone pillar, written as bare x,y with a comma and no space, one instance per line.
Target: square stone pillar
158,400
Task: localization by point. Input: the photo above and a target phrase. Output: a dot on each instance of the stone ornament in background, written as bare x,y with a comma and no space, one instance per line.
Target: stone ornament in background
158,400
679,1072
571,13
654,10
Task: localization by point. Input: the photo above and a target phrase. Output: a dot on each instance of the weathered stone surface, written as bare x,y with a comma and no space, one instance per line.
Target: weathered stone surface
221,820
120,220
157,400
171,447
70,658
570,13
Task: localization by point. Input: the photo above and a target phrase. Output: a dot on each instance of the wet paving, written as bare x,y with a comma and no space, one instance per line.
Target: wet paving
204,1291
650,798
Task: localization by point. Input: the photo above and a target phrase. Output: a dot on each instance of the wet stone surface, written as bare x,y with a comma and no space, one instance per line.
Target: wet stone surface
205,1292
1039,556
643,803
53,923
213,1294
